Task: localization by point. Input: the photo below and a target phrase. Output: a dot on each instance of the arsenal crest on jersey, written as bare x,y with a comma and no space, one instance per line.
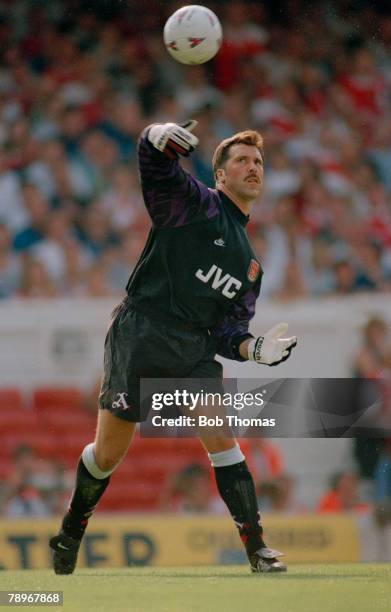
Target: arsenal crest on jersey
253,270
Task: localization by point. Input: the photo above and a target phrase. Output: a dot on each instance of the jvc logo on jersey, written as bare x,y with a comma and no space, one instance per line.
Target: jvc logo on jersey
228,285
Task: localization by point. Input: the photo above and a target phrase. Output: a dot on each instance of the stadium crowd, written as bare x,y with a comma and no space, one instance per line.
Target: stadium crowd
80,80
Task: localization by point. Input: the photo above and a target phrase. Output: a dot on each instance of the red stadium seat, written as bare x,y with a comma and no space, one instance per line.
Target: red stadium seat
150,473
18,422
122,496
70,446
5,467
44,445
128,470
68,421
51,398
147,446
11,398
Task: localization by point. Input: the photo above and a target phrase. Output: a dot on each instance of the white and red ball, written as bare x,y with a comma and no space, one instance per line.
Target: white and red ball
193,34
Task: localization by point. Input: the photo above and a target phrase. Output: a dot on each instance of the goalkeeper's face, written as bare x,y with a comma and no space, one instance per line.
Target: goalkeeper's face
242,174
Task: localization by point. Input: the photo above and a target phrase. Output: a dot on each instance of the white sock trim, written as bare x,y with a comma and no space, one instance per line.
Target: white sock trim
88,457
228,457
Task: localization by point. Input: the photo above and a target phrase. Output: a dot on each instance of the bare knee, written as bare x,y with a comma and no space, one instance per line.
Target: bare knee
112,440
222,454
110,454
217,444
99,465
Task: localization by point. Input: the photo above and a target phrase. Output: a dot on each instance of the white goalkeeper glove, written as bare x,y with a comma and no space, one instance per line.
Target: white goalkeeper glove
271,349
173,139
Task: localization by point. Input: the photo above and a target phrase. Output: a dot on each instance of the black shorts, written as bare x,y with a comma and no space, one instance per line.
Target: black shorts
140,346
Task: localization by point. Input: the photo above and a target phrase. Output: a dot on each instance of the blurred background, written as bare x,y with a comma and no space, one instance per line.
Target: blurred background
78,82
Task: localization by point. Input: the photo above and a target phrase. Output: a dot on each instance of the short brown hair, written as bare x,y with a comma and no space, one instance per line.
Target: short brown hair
248,137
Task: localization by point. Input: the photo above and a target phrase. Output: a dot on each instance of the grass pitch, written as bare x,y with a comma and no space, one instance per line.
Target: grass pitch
305,588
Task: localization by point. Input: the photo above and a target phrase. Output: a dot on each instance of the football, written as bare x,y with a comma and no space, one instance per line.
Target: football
193,34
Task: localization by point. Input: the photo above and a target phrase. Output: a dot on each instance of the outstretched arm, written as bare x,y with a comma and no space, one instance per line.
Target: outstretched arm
172,196
235,342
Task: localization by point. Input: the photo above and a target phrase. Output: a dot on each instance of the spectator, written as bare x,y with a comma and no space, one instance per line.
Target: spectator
22,496
96,282
99,155
36,281
58,176
10,265
344,278
50,250
380,153
286,241
321,278
195,93
37,209
189,491
123,124
369,273
370,359
124,259
76,261
122,202
74,100
278,496
243,39
12,211
293,285
264,458
342,496
96,233
282,179
369,362
382,484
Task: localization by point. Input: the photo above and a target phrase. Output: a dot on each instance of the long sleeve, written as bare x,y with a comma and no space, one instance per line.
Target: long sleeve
172,196
233,328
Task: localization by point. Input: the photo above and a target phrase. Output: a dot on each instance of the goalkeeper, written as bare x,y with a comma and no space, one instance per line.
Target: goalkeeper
191,296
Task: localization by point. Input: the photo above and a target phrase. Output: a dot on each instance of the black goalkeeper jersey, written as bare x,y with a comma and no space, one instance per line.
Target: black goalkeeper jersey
197,265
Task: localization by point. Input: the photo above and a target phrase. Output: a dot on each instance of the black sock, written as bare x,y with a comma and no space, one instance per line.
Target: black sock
236,487
87,493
